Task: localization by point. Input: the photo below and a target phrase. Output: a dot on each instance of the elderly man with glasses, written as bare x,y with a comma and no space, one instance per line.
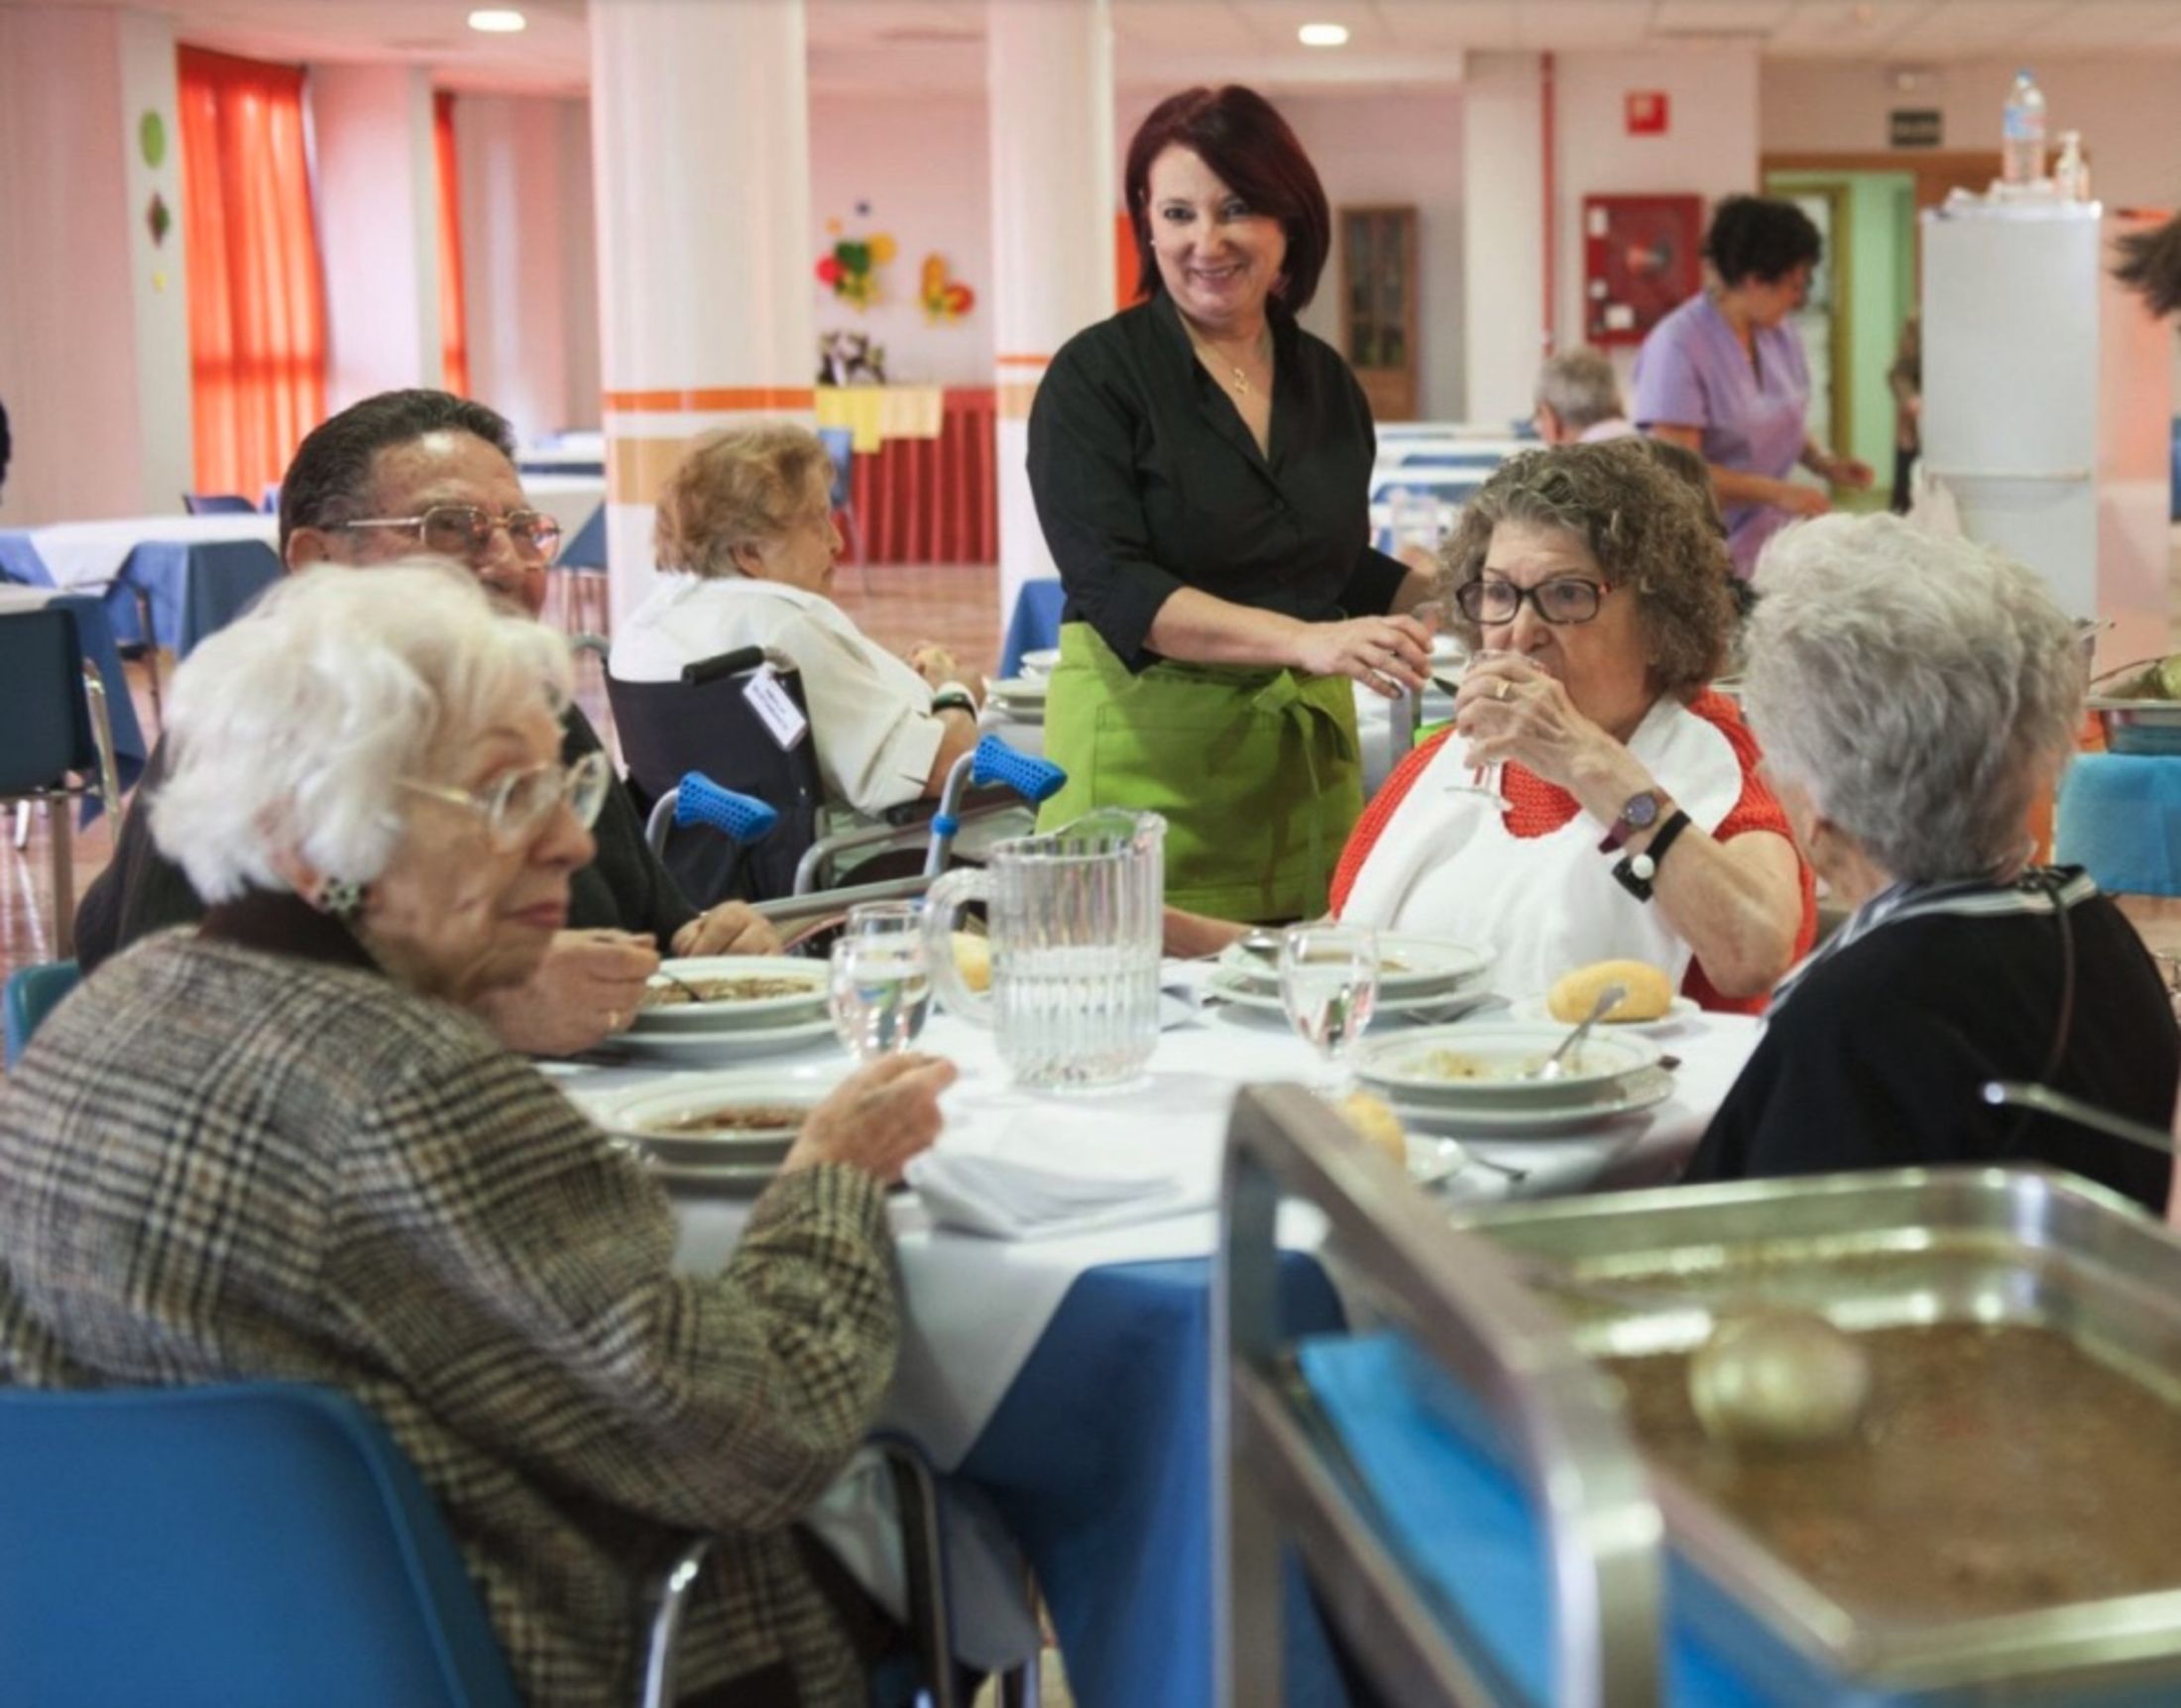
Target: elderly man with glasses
387,477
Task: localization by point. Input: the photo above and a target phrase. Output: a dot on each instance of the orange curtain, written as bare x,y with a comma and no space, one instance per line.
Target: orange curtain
257,303
454,344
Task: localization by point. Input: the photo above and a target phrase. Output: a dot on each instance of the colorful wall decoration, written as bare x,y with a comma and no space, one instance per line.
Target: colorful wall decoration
850,269
945,300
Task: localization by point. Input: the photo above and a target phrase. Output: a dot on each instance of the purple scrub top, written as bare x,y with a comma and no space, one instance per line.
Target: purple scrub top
1692,372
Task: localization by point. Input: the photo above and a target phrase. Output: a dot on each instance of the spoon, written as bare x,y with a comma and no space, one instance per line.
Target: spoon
2045,1100
686,988
1553,1067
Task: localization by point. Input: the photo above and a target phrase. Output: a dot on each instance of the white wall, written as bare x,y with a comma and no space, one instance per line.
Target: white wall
159,279
2124,106
529,259
922,163
69,327
376,191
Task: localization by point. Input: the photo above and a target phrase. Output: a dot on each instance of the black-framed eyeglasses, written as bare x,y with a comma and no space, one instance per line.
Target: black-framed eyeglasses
466,530
515,803
1562,600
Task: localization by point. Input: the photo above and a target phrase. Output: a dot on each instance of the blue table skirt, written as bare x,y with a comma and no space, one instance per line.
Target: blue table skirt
1101,1460
2118,818
194,590
1034,625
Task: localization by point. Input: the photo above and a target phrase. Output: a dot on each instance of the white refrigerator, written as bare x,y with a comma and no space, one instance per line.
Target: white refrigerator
2047,406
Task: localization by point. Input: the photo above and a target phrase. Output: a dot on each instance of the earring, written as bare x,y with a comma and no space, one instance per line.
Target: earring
341,897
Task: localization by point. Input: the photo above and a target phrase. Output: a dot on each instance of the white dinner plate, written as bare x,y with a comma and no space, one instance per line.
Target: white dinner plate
1681,1010
739,1014
1019,689
1041,663
738,1043
1404,1067
1433,1158
639,1113
1637,1092
1427,964
1429,1004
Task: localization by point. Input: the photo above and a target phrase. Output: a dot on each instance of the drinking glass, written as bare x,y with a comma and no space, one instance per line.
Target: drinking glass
1483,780
879,920
880,992
1328,984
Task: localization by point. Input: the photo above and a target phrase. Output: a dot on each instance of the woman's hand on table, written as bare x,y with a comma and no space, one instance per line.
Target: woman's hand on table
877,1119
1384,653
588,987
732,928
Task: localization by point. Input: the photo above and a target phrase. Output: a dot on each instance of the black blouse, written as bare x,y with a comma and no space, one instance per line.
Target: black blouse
1147,480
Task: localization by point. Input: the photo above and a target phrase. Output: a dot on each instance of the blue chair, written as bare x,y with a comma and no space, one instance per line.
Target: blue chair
1034,625
840,445
33,992
217,504
254,1544
60,743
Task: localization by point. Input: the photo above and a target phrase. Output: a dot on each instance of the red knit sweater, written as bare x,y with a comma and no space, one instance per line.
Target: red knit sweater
1538,808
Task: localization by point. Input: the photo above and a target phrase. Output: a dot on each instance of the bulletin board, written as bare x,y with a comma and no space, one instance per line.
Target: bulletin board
1641,259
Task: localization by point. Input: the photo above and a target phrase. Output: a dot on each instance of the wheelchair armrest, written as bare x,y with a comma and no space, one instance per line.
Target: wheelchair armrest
663,1629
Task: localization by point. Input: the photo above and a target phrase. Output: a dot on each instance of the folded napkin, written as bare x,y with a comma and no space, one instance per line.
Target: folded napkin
1004,1198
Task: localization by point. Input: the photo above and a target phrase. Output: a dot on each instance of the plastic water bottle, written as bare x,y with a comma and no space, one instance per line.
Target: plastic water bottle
2023,133
2071,172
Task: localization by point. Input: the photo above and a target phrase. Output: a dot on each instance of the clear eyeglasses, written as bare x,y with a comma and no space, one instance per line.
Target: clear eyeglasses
515,803
465,531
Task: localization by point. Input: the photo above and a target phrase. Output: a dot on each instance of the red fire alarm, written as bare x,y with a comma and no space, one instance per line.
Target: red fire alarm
1647,111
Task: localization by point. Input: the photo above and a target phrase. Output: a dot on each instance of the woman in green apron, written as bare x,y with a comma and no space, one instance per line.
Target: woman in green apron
1202,470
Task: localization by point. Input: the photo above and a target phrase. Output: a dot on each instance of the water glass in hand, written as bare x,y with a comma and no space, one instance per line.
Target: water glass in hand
1328,984
1483,780
880,992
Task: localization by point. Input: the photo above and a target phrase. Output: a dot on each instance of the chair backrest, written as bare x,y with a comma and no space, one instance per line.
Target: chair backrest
33,992
256,1546
41,704
217,504
668,729
841,447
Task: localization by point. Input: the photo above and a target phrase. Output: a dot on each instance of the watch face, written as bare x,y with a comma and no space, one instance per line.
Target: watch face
1641,812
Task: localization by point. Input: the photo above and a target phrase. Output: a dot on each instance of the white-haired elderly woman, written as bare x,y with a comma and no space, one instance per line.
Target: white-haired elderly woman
277,1144
1915,697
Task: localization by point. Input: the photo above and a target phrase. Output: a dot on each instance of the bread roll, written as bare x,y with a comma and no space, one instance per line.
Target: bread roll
1373,1119
973,959
1649,993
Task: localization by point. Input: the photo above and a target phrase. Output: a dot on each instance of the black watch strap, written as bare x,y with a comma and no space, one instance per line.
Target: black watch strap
1635,872
954,702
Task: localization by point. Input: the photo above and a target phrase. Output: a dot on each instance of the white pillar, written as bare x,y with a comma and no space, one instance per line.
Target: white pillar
1050,67
377,201
701,142
1503,241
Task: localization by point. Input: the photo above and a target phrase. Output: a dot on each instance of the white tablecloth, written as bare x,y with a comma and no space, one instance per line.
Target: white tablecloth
977,1307
90,554
570,500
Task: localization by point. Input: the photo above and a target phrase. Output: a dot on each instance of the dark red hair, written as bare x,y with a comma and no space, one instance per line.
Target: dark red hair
1239,135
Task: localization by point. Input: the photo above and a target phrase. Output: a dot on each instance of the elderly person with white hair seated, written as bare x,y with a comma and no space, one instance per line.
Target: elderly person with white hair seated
1579,399
281,1144
1915,697
747,540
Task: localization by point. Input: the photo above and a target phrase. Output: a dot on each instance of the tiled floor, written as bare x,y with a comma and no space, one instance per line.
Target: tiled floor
955,604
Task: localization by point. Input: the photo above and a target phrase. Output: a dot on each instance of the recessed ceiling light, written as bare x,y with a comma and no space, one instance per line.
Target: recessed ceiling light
1323,35
495,22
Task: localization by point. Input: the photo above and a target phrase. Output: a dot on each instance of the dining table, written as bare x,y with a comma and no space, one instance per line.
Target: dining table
1066,1375
170,580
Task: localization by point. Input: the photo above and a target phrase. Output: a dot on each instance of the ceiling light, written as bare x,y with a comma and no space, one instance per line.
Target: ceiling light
495,22
1323,35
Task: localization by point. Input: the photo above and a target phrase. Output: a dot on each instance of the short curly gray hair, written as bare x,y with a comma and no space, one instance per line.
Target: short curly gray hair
1647,528
292,726
1923,691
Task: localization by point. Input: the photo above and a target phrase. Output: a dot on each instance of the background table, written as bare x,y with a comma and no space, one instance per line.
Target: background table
1069,1378
191,575
922,479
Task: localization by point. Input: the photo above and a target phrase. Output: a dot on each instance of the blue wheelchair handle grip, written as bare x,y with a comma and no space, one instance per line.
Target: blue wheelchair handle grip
701,801
1035,781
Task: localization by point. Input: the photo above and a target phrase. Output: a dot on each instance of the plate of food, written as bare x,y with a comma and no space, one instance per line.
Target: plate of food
1441,1004
730,993
2140,706
712,1128
1407,966
728,1043
1474,1065
1632,1094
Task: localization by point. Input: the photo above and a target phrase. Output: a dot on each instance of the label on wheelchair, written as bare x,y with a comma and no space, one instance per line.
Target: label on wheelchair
780,715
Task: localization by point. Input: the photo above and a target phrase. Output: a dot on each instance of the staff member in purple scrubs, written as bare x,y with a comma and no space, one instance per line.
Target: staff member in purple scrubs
1725,376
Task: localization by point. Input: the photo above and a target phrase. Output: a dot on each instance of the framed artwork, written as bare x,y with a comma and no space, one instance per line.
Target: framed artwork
1641,259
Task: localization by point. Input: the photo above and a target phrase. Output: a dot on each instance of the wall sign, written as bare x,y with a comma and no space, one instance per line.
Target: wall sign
1914,128
1645,111
1640,258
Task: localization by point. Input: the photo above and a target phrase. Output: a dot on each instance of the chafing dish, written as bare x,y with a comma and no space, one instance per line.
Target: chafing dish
1885,1251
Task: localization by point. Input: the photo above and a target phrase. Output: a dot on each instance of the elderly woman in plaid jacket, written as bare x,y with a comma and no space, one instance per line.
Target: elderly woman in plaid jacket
281,1145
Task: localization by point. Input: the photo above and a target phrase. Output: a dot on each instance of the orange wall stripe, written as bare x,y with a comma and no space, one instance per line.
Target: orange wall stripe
1023,361
715,397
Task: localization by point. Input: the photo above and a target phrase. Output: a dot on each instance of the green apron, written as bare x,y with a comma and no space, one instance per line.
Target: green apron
1257,772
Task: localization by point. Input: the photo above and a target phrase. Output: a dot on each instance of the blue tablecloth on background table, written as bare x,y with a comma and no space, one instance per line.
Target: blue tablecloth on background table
586,547
1034,625
1120,1532
2118,818
192,590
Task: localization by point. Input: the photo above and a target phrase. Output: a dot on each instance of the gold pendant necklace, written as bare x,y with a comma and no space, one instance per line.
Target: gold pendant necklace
1215,361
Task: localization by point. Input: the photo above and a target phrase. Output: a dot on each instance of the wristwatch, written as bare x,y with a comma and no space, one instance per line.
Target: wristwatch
1637,813
954,699
1634,872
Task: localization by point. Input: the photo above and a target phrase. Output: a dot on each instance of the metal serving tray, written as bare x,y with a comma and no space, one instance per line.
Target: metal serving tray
2022,1246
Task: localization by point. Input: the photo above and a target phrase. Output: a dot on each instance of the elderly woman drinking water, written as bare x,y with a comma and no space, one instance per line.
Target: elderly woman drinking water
1593,799
282,1143
1915,695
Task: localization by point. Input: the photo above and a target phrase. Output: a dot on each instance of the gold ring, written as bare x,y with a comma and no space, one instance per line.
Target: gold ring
613,1019
1501,689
